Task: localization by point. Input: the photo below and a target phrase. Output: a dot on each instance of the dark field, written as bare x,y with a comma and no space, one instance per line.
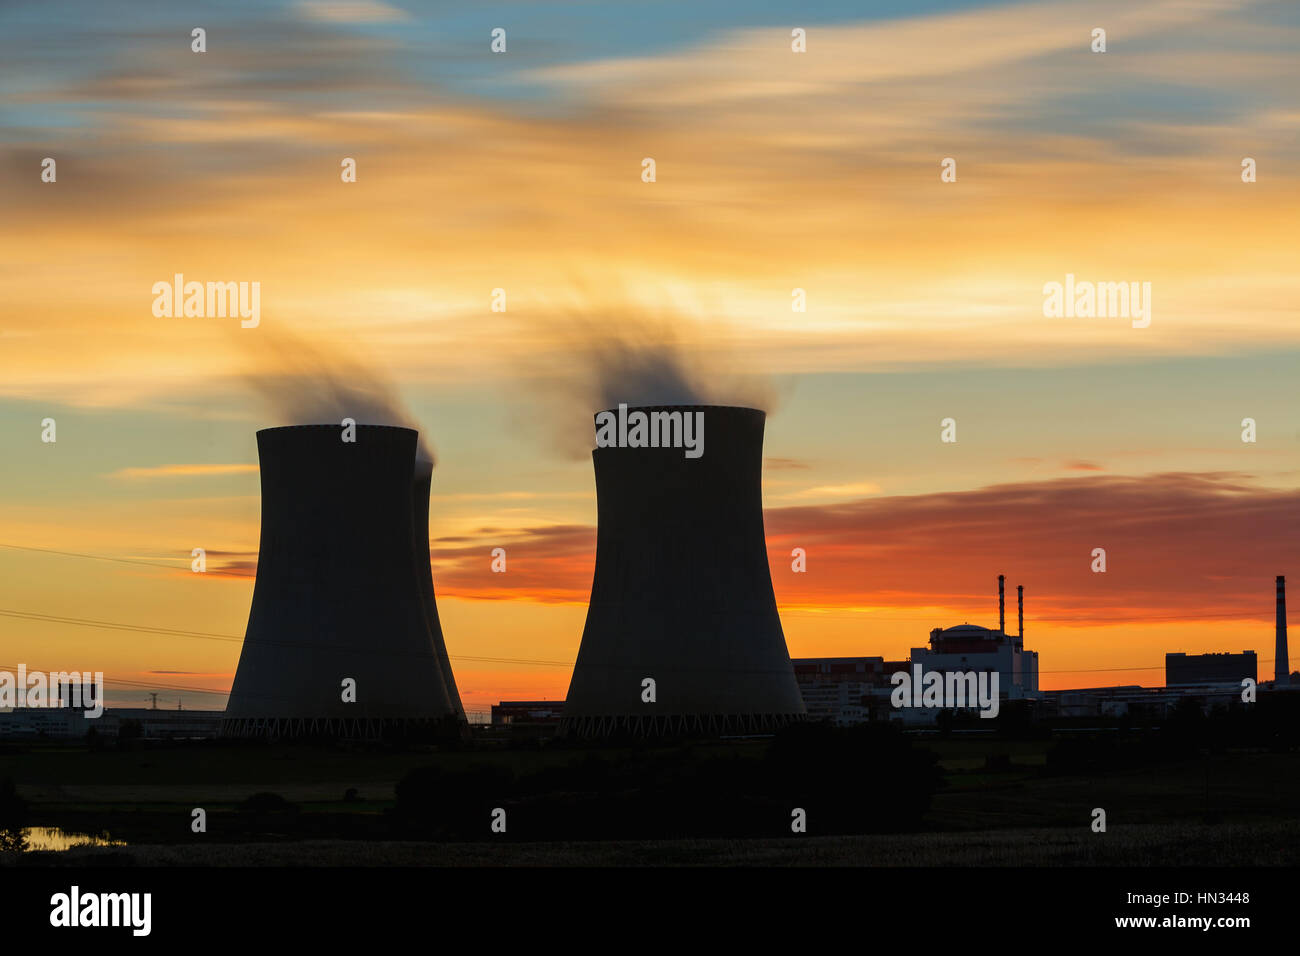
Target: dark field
1156,845
922,801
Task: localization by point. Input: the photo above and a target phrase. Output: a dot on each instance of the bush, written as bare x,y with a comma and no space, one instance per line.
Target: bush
13,808
434,801
268,812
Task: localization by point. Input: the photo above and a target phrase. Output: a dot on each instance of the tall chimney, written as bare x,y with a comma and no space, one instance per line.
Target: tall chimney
1020,600
1281,666
1002,605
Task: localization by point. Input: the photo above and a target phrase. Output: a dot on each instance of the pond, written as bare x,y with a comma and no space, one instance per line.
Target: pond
30,839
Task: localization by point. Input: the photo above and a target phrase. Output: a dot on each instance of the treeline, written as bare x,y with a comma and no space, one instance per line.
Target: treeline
1273,724
861,780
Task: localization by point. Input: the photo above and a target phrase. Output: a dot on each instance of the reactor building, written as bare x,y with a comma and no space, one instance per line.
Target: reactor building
853,690
682,634
343,636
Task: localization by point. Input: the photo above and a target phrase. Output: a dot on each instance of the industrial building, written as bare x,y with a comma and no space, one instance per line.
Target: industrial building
343,635
162,724
29,723
970,647
1187,669
527,712
682,633
837,689
848,690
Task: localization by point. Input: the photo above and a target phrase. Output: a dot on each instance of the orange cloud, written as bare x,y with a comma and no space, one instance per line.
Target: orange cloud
1179,547
744,209
182,471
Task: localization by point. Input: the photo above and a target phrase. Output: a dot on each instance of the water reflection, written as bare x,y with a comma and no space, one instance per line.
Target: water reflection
28,839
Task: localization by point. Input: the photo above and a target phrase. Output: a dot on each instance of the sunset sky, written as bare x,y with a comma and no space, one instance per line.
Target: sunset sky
775,170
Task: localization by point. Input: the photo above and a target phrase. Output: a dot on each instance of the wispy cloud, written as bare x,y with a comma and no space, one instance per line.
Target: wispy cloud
744,208
784,464
182,471
853,490
511,495
351,11
1179,547
755,64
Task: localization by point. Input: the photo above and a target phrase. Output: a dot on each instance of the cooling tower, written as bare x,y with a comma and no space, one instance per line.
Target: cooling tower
682,593
341,592
420,541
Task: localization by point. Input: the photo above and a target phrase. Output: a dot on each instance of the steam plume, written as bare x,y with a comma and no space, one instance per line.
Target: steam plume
304,384
631,356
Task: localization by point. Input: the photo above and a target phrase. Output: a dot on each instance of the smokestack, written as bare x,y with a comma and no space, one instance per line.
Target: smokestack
339,641
1281,665
682,593
1020,611
1002,610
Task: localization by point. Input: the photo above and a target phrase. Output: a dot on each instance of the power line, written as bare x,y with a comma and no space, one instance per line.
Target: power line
93,557
109,625
1077,622
175,632
791,608
205,635
118,682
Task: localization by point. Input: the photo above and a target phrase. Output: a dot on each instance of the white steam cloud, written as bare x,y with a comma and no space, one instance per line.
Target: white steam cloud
312,384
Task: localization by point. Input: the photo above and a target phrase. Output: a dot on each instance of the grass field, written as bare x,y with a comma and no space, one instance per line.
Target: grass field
1264,844
998,805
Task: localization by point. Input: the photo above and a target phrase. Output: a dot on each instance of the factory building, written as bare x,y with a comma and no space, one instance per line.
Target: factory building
849,690
1131,700
162,724
838,689
970,647
30,723
527,712
1190,669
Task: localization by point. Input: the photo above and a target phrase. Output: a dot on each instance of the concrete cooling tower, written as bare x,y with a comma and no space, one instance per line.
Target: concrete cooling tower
343,591
420,542
682,592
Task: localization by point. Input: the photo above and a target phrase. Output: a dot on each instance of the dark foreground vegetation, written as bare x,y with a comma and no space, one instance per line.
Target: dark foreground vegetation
1141,845
1154,780
863,780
